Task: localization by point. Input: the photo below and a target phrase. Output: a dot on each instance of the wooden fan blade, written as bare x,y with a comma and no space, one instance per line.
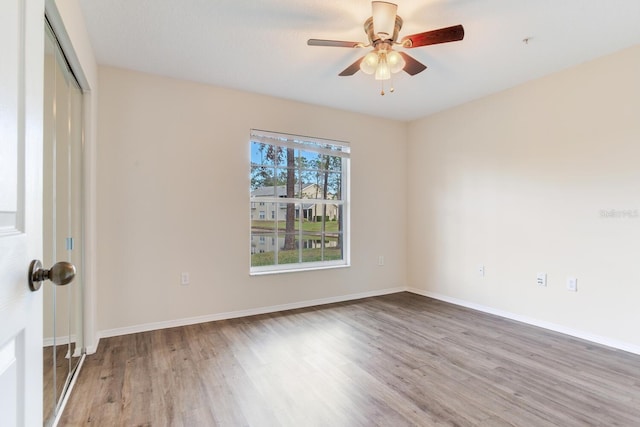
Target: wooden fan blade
443,35
332,43
412,66
352,69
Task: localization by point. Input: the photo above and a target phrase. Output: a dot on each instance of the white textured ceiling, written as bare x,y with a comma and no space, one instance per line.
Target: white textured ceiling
260,45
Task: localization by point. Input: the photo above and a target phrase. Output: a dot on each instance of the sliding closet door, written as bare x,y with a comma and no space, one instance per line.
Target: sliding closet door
62,201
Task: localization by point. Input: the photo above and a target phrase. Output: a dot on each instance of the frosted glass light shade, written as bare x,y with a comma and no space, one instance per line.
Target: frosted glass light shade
369,63
396,61
383,72
384,18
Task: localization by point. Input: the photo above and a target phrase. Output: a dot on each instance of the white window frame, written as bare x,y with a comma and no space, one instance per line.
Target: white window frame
298,142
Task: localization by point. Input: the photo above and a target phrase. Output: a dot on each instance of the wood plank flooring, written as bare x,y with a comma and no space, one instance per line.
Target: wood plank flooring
395,360
51,390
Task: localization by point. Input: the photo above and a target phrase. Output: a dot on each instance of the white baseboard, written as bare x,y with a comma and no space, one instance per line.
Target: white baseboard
93,348
616,344
235,314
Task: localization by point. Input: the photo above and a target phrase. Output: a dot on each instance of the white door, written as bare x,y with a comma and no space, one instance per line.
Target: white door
21,106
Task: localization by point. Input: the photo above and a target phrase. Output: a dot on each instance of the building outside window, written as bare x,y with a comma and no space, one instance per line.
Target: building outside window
302,183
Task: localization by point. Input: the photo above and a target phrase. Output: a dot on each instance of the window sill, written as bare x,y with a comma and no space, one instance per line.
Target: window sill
297,270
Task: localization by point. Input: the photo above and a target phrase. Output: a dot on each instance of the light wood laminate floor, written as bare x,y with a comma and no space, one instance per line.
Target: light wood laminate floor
394,360
52,389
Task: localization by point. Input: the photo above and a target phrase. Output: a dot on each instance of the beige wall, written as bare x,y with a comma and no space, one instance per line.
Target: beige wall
173,188
517,182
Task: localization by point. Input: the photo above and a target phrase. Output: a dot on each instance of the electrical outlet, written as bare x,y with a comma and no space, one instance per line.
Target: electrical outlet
481,270
184,278
541,279
572,284
381,260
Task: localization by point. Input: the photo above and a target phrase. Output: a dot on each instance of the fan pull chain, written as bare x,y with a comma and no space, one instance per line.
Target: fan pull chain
391,89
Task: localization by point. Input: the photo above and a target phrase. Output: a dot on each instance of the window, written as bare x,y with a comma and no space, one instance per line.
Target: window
304,183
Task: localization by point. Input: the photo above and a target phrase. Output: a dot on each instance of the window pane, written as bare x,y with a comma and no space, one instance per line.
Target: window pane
288,253
262,249
333,247
282,155
334,186
262,259
257,154
312,161
283,175
327,214
288,219
262,211
311,191
333,164
262,181
312,248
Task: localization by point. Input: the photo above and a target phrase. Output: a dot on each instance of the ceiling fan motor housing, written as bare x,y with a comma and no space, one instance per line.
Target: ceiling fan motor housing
375,38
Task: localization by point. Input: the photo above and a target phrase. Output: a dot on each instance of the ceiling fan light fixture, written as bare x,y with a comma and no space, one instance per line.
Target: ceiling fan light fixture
396,61
369,63
382,29
383,72
384,18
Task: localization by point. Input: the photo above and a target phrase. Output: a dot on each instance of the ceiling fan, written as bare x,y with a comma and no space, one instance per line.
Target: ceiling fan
382,30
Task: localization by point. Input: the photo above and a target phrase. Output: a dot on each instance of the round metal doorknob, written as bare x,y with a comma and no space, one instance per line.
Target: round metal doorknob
61,274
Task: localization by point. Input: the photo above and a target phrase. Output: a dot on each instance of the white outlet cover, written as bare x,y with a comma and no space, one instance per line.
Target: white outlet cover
184,278
541,279
572,284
